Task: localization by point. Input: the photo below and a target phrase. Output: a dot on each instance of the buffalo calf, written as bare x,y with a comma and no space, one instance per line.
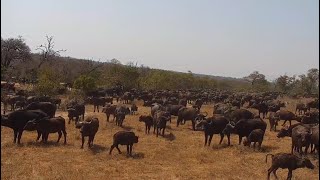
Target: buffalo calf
255,136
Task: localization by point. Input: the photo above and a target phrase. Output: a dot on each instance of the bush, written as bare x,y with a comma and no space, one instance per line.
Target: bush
48,83
85,83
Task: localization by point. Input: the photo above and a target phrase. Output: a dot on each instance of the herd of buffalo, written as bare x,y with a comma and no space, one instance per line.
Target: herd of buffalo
230,116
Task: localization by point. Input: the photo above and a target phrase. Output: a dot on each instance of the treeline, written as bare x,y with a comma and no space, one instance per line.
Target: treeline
49,69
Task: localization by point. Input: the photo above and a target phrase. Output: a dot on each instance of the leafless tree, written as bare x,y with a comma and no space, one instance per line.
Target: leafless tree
47,52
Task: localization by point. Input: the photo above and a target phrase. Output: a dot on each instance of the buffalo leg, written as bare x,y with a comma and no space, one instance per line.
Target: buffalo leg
117,146
284,122
89,141
60,134
221,137
275,173
157,131
15,135
210,138
131,149
240,139
312,148
205,139
163,131
149,129
65,136
39,134
289,174
108,116
146,129
92,140
228,135
306,150
128,150
19,136
254,145
193,125
82,142
269,172
46,137
112,146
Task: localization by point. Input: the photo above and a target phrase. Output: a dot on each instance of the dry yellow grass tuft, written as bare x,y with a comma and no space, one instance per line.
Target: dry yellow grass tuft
179,155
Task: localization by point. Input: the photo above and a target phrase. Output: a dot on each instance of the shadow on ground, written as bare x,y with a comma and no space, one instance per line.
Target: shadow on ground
96,148
169,137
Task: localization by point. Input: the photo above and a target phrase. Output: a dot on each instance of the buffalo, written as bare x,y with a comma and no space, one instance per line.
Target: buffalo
48,125
89,127
244,127
287,161
124,138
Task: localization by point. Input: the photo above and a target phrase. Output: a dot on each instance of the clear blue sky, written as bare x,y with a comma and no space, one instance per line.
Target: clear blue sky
217,37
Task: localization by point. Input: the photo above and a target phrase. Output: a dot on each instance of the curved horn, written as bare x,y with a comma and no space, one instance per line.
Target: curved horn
232,123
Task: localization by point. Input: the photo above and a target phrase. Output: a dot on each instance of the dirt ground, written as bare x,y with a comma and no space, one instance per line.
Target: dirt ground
180,154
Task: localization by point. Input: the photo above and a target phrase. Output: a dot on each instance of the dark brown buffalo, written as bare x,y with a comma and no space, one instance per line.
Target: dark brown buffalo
315,138
287,161
255,136
214,125
301,137
89,127
273,121
244,127
286,116
48,125
313,104
18,119
239,114
185,114
133,108
76,111
124,138
300,107
262,108
120,114
160,119
46,107
109,109
148,121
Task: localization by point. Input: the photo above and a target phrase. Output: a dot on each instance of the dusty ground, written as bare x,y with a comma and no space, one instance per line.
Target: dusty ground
178,155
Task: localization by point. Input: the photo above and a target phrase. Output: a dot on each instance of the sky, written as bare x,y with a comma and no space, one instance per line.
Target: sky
217,37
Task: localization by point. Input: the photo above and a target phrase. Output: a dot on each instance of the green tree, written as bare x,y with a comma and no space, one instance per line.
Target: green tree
48,82
85,83
255,77
13,51
285,83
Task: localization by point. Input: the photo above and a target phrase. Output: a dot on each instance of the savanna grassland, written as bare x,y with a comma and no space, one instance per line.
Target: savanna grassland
180,154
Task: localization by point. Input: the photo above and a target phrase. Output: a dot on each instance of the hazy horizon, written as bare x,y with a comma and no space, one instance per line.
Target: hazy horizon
220,38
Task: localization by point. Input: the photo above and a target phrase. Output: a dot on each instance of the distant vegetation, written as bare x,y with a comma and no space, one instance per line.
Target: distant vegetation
48,69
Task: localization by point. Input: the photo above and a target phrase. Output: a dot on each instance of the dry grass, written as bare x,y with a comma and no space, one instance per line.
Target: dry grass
178,155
